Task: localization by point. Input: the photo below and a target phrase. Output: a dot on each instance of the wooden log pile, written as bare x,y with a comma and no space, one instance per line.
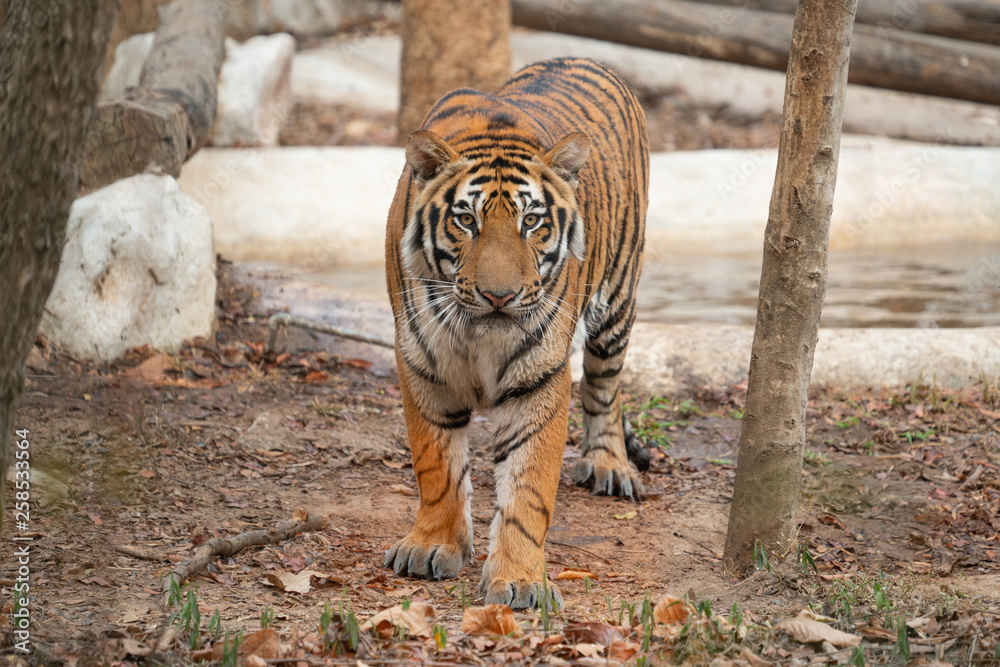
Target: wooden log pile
971,20
167,118
881,57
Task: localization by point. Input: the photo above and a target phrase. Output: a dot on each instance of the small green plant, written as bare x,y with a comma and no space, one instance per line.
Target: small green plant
646,618
736,616
440,636
843,601
858,657
922,436
817,458
325,618
607,601
849,422
405,602
737,414
760,559
687,407
902,648
230,651
175,597
705,608
586,584
266,617
188,619
215,625
546,601
871,449
720,462
806,559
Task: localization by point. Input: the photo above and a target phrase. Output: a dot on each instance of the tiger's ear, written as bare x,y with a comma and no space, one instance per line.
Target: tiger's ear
426,153
568,156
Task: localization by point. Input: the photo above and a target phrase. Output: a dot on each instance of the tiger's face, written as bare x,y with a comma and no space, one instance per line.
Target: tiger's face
491,233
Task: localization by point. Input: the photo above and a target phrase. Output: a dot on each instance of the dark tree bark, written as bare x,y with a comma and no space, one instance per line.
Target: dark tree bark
51,66
448,45
792,284
880,57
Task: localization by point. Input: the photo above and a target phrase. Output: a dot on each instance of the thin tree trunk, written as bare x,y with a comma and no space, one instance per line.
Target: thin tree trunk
448,45
880,57
51,65
792,284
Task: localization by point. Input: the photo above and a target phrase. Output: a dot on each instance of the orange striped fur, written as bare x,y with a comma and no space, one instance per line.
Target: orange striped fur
516,232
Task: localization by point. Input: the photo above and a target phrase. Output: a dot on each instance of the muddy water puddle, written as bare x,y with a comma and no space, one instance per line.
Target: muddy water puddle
944,286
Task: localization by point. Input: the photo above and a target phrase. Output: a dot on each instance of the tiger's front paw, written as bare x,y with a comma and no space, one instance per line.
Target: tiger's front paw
606,476
521,593
416,558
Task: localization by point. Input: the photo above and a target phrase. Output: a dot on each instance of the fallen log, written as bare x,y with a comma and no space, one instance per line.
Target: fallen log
972,20
167,118
880,57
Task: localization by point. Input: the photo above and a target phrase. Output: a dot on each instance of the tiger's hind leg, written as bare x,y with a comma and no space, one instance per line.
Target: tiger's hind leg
440,543
608,441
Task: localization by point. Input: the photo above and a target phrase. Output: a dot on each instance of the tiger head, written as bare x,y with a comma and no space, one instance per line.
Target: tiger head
495,228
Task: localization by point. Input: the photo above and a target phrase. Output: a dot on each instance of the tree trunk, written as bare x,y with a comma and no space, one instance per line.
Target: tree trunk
973,20
51,66
792,284
880,57
448,45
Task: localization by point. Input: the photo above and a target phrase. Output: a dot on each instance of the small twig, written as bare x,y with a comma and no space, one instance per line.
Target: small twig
284,319
573,546
135,552
223,547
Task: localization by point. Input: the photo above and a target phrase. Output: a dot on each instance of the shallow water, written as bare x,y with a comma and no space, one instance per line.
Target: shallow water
955,285
941,286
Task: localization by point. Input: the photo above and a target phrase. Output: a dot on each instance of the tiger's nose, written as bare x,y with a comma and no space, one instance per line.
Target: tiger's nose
498,300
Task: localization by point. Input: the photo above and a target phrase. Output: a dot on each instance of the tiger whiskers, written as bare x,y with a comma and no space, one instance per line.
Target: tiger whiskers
521,327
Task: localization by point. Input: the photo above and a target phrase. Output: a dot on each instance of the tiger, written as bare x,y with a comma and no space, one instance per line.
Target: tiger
515,236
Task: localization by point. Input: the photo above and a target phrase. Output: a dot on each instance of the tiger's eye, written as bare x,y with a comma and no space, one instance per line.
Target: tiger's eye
467,220
531,220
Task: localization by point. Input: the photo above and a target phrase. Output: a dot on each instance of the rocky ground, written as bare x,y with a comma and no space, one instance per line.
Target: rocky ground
139,462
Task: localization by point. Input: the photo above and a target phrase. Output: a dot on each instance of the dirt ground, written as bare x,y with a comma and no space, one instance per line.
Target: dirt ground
673,121
157,453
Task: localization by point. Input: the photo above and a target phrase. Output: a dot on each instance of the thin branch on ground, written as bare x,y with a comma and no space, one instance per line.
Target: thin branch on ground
223,547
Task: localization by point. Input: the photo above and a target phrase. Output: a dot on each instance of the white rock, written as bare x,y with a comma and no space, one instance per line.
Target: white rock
322,17
138,268
254,91
306,205
130,55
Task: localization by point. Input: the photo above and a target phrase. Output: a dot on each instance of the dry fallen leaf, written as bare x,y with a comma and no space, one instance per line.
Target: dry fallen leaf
494,619
626,516
299,582
808,631
588,650
593,633
263,644
752,658
154,368
415,620
403,489
670,610
575,574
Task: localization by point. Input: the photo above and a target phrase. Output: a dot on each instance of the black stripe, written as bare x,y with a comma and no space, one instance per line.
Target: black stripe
538,383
